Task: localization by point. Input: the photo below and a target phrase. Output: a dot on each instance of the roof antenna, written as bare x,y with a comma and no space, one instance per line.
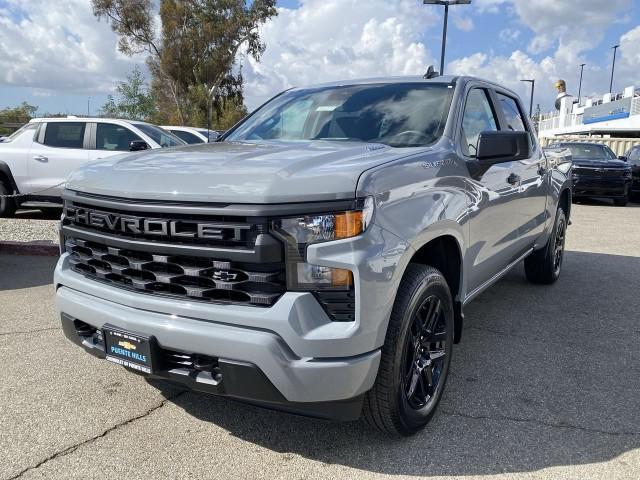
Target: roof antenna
431,73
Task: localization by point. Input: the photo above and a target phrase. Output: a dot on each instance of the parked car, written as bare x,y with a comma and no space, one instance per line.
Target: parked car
36,160
194,135
633,157
597,172
319,258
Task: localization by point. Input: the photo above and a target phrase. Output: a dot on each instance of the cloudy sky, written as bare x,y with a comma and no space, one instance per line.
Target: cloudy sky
58,56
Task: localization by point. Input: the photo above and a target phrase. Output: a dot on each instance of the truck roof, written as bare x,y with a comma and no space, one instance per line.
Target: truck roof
443,79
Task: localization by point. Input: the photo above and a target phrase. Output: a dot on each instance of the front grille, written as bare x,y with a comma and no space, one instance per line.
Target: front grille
597,172
187,277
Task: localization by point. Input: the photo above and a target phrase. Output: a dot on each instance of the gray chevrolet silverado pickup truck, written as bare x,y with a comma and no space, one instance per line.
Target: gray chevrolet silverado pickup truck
318,258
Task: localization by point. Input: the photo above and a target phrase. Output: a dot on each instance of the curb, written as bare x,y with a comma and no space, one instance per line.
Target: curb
39,248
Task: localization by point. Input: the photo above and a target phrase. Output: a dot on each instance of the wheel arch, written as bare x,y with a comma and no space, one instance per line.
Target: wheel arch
564,201
5,174
444,252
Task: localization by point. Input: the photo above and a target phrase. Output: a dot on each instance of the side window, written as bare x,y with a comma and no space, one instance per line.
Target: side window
608,153
64,134
110,136
187,136
634,155
511,113
477,118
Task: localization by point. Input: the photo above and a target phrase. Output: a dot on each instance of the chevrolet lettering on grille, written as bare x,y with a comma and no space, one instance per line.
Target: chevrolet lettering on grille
160,227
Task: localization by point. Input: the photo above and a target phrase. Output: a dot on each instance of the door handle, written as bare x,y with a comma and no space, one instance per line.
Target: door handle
41,158
513,179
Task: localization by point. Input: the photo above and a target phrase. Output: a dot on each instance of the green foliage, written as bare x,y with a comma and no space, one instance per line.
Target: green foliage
16,115
135,101
193,58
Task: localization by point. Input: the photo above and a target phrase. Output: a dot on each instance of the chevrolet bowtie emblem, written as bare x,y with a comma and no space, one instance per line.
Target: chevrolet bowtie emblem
127,345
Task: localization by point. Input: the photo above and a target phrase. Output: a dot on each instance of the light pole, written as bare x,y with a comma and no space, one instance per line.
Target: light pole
88,106
613,67
446,4
580,85
533,87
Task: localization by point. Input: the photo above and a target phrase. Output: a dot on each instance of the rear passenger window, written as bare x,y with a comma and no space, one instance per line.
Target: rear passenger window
114,137
478,117
65,134
187,136
511,113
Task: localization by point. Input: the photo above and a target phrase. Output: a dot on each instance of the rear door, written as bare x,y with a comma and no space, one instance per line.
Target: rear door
532,171
494,217
57,151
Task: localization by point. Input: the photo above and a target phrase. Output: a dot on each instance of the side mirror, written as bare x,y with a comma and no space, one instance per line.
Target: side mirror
623,158
503,146
137,145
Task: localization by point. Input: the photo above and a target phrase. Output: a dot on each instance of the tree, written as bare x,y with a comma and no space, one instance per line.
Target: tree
193,58
15,116
135,102
537,117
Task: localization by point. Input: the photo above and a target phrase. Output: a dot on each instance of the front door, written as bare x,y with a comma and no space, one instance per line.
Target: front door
494,215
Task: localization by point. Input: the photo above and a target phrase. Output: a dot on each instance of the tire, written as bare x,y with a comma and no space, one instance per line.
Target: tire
402,401
7,205
621,202
543,266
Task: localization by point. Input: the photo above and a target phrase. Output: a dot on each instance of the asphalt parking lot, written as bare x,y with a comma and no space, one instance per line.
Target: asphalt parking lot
545,384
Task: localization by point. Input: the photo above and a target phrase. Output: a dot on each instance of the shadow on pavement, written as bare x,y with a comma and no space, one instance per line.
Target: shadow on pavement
22,271
544,376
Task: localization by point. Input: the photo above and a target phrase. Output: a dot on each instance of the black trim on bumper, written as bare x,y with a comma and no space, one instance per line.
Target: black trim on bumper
238,380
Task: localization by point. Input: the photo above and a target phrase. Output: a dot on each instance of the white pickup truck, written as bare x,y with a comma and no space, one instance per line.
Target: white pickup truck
36,160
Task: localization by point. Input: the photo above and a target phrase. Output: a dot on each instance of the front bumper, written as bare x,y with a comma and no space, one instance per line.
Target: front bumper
601,187
303,361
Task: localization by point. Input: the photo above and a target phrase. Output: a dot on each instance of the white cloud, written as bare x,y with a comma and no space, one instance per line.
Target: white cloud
509,35
326,40
56,46
463,23
562,31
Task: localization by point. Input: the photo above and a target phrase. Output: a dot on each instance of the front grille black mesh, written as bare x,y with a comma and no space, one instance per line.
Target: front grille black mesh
195,278
595,172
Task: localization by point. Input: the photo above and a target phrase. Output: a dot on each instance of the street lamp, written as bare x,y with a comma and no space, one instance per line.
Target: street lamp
446,4
613,67
533,87
580,86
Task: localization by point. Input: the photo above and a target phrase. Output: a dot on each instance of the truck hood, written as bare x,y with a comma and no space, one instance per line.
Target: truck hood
247,172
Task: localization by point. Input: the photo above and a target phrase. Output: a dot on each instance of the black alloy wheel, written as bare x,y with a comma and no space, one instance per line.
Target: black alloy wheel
558,252
544,265
425,354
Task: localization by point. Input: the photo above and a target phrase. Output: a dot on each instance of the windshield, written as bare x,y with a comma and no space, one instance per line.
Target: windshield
17,133
396,114
589,152
160,136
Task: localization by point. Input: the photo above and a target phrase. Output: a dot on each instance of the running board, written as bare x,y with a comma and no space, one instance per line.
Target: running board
496,277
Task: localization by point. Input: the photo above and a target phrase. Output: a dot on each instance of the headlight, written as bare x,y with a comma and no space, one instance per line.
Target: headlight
301,231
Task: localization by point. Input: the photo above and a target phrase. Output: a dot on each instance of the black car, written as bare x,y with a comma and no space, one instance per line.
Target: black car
597,172
633,157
